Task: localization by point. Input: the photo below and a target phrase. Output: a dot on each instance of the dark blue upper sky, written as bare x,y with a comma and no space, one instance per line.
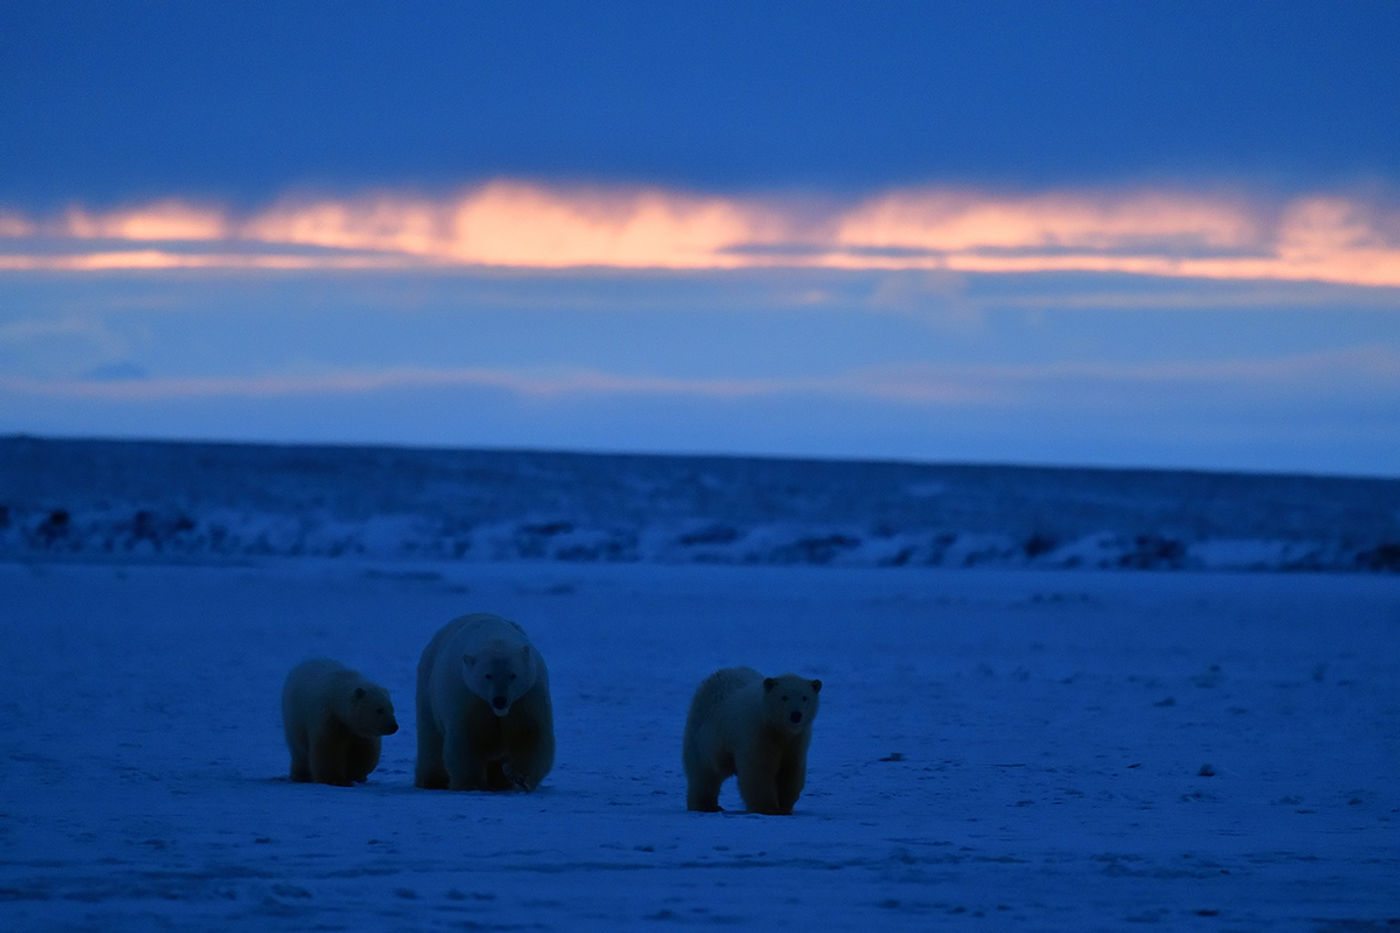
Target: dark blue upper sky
107,102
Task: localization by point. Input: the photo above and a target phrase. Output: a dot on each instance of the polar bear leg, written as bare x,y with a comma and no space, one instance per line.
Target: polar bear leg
527,767
757,785
791,777
702,791
328,758
296,744
361,757
703,782
301,767
466,770
429,772
702,779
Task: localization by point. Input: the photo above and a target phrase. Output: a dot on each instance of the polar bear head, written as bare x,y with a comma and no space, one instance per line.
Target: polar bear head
370,712
790,702
500,673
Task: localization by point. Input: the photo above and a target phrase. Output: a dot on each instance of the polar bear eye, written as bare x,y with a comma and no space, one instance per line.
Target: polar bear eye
488,677
512,676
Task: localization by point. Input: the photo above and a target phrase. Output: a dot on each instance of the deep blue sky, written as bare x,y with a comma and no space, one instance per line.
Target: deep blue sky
109,101
1265,135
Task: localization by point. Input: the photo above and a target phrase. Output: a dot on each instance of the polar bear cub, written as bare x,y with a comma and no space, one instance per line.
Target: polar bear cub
333,718
485,720
757,727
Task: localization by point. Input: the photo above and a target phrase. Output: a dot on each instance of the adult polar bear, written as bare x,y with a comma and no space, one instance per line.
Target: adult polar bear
485,721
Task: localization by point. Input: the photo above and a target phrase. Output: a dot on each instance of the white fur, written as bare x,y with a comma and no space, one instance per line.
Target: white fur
741,723
485,720
333,718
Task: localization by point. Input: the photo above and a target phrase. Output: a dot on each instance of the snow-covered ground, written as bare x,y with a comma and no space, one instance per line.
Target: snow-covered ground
1065,750
97,500
1010,735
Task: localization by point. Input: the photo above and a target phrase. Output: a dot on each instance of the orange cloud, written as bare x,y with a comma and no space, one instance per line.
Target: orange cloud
515,224
164,220
388,225
519,225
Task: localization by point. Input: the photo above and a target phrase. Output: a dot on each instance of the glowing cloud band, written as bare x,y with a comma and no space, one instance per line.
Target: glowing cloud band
517,225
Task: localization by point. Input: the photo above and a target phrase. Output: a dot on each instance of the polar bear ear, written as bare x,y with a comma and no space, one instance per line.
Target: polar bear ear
525,652
816,686
359,693
769,683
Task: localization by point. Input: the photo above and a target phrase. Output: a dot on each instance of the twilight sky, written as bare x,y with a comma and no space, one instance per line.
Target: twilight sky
1071,233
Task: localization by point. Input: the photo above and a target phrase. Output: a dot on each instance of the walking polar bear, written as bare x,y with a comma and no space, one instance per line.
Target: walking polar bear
757,727
333,718
485,720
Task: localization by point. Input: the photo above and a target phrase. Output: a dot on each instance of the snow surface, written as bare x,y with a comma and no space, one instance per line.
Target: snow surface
1056,750
1049,749
125,501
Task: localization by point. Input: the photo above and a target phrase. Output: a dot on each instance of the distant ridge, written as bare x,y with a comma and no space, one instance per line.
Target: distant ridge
156,500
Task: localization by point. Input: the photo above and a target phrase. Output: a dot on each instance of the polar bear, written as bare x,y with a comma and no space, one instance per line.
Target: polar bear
333,718
485,721
757,727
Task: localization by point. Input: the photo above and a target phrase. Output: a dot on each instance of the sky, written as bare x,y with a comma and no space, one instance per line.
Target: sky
1102,234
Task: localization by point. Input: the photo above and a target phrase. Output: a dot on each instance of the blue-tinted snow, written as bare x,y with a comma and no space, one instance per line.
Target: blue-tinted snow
1034,744
1044,750
127,500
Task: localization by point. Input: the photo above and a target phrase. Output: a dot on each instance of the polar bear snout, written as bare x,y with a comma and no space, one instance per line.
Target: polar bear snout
795,716
500,704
